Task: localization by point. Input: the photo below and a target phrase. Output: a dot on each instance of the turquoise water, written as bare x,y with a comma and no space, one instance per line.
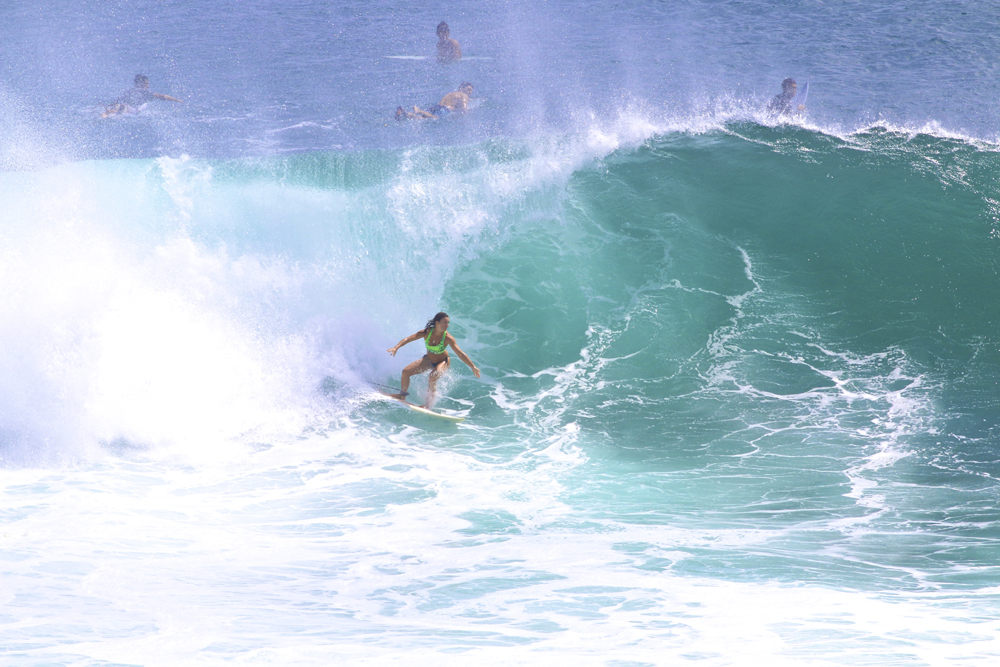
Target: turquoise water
739,393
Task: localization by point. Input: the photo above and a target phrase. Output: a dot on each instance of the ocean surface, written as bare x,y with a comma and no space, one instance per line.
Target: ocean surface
740,393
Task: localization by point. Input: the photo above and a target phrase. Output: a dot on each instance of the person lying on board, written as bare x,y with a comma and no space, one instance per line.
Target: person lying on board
451,103
436,339
132,100
448,48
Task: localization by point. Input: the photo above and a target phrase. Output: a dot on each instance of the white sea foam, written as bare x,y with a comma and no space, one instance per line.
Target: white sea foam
345,547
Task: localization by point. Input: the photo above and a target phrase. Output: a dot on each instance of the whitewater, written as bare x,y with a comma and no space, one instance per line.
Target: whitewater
739,397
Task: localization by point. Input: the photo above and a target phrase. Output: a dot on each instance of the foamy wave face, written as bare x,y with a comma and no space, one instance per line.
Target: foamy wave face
119,327
177,303
675,450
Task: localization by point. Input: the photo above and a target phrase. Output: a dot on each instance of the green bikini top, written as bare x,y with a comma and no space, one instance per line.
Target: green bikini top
435,349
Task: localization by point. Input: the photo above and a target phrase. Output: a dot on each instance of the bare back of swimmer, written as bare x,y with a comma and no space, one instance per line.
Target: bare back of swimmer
455,101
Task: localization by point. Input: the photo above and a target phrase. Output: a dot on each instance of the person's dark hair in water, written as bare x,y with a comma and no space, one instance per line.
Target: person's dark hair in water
788,83
443,30
141,81
465,87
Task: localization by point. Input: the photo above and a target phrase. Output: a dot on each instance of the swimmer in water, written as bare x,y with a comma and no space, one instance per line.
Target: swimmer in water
133,99
781,105
436,339
448,48
451,103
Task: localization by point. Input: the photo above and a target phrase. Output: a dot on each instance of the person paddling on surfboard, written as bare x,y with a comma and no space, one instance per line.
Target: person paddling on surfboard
452,102
436,339
133,99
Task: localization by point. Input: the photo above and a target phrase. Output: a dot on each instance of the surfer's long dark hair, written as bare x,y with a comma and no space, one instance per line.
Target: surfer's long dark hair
434,320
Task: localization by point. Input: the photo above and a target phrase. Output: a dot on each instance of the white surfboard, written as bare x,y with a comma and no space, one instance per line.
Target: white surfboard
799,101
429,57
126,111
424,411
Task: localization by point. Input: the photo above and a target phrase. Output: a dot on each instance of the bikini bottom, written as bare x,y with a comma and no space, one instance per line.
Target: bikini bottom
435,364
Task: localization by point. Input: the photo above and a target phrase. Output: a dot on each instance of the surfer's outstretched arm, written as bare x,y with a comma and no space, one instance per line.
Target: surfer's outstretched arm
462,355
408,339
161,96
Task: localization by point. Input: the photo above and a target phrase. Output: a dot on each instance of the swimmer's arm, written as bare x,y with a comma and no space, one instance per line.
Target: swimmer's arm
462,355
458,49
408,339
161,96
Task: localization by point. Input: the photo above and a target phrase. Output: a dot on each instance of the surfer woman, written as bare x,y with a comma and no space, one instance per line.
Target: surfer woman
436,339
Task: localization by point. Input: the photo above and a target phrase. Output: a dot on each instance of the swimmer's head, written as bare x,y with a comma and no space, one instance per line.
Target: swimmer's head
141,81
466,88
788,84
443,29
